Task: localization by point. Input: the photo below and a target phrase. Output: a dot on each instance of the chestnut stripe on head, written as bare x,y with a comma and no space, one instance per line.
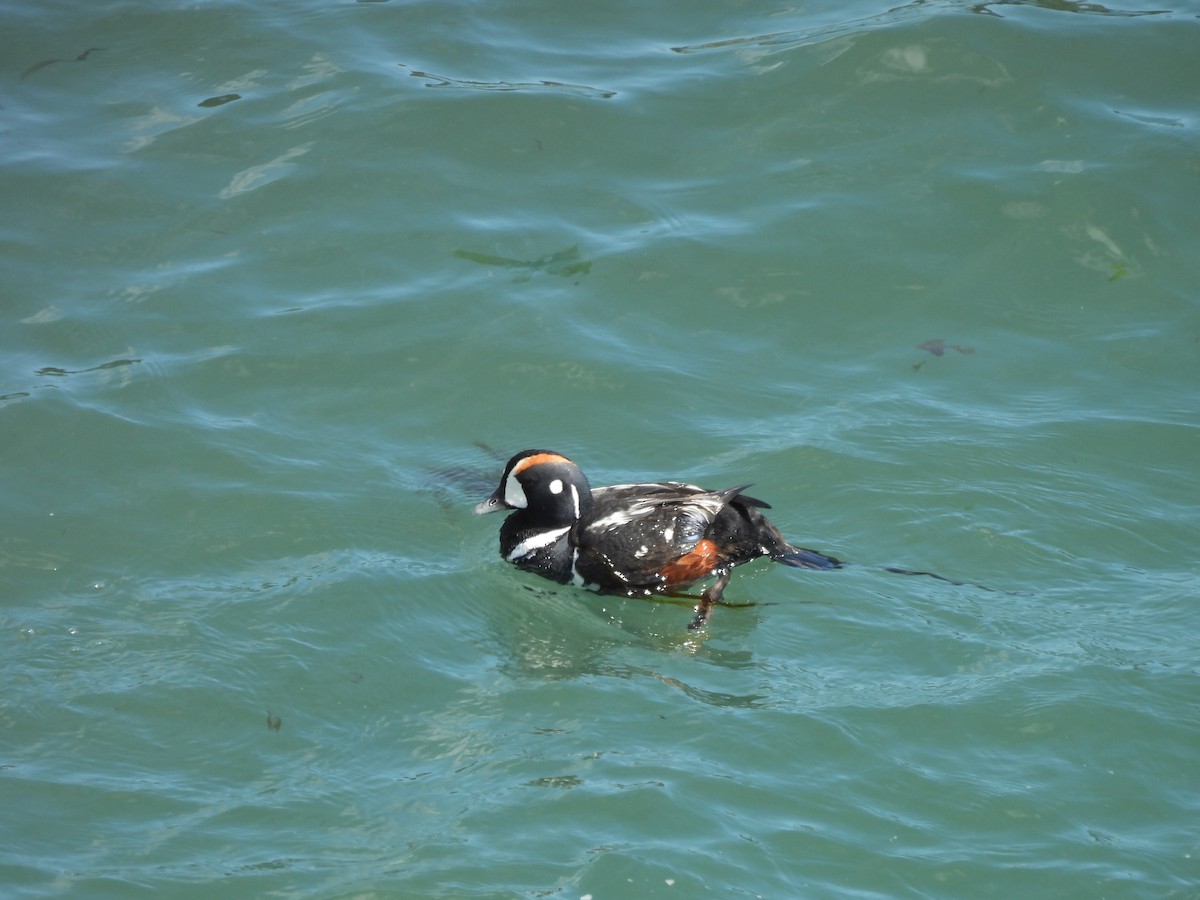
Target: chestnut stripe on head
537,459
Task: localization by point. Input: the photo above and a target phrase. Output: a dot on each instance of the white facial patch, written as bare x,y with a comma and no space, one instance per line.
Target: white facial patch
556,486
575,499
514,494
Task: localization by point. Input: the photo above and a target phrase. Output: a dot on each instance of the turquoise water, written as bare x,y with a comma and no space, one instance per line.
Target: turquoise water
284,284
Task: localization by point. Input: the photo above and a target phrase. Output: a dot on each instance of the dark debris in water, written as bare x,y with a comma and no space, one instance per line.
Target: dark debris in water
563,263
938,347
58,373
455,486
1070,6
556,781
219,101
49,62
443,81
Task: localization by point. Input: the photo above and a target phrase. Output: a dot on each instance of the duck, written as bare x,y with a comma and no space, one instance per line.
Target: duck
635,540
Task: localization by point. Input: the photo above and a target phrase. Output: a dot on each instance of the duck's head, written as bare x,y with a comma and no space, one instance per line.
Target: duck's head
547,485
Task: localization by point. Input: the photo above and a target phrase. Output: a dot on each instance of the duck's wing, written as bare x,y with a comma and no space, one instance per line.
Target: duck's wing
649,536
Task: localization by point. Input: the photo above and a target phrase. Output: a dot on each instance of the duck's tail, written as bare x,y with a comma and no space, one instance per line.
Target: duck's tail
801,558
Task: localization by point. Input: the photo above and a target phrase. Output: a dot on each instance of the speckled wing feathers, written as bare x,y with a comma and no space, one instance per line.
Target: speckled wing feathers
655,524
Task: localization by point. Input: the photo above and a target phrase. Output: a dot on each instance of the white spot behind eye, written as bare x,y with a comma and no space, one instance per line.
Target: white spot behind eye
556,486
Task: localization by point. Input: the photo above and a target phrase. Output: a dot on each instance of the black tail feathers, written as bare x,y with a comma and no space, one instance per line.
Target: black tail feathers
801,558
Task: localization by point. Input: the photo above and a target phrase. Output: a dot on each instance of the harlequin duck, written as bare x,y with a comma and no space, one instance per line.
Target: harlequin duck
633,539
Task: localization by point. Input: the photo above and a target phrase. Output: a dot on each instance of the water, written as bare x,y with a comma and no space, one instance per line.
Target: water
285,284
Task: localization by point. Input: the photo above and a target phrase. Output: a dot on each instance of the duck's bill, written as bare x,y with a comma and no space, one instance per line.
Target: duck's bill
491,504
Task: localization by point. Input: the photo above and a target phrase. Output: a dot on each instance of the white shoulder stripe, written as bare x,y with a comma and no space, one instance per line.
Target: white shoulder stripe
621,517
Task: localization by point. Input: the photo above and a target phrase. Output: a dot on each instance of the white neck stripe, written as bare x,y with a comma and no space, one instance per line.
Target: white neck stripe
538,541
